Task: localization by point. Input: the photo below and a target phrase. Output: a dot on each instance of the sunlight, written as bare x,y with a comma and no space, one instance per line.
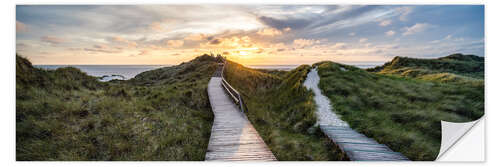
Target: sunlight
244,53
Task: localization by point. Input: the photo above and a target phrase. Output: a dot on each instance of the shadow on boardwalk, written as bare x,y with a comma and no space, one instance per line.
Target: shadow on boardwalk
233,137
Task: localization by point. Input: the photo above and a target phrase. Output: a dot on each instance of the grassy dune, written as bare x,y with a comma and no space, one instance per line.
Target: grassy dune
399,110
65,114
282,111
164,114
456,68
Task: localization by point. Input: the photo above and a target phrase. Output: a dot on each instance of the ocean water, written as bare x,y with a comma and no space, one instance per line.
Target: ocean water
274,67
291,67
365,66
125,72
108,72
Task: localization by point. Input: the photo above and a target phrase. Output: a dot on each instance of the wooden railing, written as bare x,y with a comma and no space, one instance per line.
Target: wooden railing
235,95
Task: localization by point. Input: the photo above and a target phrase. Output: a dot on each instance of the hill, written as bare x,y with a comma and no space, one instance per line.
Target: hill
65,114
282,111
452,68
404,110
164,114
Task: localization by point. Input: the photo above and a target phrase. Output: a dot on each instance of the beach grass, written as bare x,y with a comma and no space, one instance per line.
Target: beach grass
65,114
165,114
401,111
282,111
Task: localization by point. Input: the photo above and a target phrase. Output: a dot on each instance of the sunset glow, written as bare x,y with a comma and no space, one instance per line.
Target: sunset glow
253,35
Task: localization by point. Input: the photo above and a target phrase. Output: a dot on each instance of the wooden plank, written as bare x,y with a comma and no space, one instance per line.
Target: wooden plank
358,147
355,145
233,138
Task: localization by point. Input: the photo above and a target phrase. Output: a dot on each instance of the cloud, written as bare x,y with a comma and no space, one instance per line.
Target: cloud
280,45
144,52
21,27
294,29
448,37
101,50
232,42
280,23
215,42
270,32
346,17
301,43
22,45
405,11
390,33
175,43
339,45
195,37
157,26
100,46
74,49
118,39
52,40
280,49
385,23
418,27
259,51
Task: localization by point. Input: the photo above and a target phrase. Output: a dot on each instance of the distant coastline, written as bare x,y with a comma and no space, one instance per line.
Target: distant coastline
107,72
127,71
291,66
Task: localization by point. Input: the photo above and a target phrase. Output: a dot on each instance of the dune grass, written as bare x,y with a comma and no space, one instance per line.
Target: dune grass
282,111
456,68
164,114
65,114
399,111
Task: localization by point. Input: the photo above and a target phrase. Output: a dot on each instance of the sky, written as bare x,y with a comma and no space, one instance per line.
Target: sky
248,34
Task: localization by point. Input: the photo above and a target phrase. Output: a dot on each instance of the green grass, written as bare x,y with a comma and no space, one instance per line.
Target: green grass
457,68
401,111
65,114
164,114
282,111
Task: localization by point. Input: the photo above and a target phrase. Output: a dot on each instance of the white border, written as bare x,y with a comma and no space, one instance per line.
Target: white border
469,147
8,82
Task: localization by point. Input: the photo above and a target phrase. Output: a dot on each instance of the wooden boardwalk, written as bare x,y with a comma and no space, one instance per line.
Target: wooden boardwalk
233,137
358,147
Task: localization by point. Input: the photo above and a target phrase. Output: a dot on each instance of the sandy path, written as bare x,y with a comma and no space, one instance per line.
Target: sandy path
324,110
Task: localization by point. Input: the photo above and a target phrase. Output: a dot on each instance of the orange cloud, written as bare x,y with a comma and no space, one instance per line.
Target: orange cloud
234,42
21,27
130,44
195,37
157,26
175,43
52,39
269,32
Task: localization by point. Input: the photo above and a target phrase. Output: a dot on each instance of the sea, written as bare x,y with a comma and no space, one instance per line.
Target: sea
125,72
291,67
108,72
